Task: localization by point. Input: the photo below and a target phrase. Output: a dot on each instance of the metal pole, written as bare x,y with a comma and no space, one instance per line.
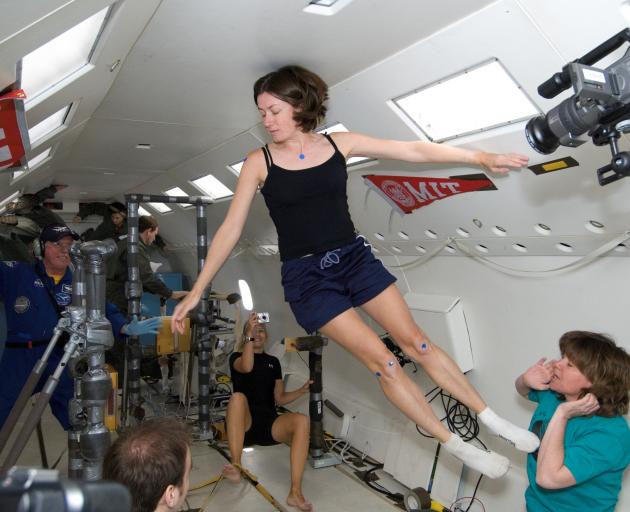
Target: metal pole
202,330
133,355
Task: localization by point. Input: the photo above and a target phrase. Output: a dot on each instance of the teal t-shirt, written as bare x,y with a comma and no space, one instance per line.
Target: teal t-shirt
596,451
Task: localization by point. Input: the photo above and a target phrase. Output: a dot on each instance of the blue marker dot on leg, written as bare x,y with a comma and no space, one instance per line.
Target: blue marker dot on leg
390,364
378,374
423,346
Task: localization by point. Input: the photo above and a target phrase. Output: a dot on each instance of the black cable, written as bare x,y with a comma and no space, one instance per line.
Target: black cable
396,497
472,499
459,418
309,368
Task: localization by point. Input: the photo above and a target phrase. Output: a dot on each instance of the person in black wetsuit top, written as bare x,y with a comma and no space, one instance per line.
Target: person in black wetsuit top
327,271
251,413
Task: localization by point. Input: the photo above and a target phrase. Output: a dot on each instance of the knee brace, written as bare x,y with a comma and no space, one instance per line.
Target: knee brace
388,369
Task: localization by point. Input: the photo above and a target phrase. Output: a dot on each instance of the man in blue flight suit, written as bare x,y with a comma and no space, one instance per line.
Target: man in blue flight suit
34,296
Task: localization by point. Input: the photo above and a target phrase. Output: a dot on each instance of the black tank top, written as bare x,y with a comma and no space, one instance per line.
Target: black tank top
310,206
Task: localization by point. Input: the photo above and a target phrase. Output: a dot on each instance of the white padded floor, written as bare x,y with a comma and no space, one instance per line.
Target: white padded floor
330,489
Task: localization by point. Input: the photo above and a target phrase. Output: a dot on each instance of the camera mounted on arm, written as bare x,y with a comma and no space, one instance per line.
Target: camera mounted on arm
600,106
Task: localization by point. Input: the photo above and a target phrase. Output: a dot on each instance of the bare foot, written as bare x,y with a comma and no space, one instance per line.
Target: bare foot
297,500
231,473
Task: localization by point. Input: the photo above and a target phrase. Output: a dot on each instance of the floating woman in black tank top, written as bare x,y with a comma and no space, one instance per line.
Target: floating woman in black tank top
327,272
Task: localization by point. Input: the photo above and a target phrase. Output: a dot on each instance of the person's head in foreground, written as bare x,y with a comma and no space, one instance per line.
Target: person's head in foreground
153,461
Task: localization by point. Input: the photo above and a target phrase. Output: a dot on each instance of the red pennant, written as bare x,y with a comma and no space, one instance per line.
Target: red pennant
408,193
13,133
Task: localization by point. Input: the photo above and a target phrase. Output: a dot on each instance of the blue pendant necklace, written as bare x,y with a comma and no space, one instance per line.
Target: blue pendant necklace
301,156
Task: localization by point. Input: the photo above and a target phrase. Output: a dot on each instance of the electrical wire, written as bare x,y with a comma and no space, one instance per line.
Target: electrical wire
471,498
300,355
394,496
461,421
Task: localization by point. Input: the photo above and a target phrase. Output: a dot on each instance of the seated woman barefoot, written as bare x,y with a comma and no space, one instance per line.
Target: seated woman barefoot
585,445
251,413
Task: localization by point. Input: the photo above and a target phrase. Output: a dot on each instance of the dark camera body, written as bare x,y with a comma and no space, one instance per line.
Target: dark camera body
41,490
599,107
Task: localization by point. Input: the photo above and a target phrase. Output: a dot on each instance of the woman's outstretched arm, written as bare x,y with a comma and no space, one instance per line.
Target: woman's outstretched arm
251,176
356,144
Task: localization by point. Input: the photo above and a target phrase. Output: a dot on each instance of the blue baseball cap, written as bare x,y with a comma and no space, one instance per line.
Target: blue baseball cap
55,232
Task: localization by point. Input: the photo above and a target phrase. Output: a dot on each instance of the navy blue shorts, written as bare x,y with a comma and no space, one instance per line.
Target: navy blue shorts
321,286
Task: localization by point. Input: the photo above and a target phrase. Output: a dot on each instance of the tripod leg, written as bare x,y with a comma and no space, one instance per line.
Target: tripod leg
27,391
38,409
42,445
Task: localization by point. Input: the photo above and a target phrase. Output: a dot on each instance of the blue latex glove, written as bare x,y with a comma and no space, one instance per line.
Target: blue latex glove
148,326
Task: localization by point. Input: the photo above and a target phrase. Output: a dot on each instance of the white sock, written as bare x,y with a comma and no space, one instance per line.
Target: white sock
490,464
519,437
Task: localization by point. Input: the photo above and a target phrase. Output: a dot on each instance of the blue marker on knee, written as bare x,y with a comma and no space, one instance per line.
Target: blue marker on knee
390,364
424,346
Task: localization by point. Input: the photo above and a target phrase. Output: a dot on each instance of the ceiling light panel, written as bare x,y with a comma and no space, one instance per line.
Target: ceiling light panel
474,100
48,126
62,56
212,187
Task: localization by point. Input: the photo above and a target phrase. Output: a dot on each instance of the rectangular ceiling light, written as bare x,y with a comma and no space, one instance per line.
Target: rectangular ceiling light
212,187
325,7
160,207
4,202
475,100
143,211
178,192
38,160
45,128
62,56
339,127
236,167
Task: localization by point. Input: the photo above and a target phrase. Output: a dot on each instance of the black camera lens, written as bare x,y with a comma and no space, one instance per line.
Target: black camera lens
540,136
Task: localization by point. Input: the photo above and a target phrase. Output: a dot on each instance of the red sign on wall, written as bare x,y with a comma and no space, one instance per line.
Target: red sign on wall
408,193
13,132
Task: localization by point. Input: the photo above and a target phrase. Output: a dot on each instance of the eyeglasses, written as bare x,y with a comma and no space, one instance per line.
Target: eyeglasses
63,246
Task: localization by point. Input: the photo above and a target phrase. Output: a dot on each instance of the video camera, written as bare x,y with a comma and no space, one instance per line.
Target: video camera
41,490
600,106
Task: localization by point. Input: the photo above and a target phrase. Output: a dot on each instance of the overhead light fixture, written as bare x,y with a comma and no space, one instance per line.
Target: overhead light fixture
143,146
38,160
475,100
143,211
62,56
49,126
236,167
325,7
178,192
212,187
160,207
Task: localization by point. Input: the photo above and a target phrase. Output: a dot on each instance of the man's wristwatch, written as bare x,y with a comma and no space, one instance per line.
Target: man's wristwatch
248,338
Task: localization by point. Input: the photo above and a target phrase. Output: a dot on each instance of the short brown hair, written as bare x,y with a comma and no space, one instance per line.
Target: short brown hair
304,90
147,459
603,363
146,222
